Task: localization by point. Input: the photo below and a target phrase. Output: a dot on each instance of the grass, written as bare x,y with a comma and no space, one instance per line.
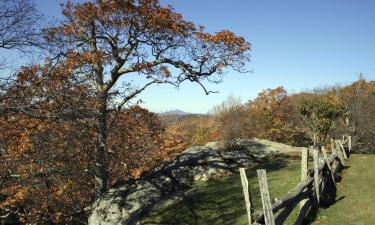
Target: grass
355,197
221,202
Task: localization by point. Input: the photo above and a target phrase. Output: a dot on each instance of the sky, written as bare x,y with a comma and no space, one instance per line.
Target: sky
298,44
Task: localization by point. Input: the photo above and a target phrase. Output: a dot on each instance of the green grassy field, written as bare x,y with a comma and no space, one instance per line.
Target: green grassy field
355,195
221,202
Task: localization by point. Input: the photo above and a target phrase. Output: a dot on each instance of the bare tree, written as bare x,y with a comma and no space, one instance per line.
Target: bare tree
359,98
231,117
19,24
20,29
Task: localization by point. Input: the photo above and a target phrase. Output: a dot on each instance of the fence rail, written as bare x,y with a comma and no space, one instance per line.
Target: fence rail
317,187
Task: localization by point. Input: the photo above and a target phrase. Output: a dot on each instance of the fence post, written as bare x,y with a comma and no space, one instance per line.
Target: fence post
328,165
347,121
350,143
316,173
247,194
339,153
342,149
267,207
304,168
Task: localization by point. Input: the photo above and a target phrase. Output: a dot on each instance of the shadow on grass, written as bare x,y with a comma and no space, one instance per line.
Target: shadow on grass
217,202
328,197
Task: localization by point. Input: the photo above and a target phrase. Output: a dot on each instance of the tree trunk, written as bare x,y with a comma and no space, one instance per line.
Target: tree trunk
101,172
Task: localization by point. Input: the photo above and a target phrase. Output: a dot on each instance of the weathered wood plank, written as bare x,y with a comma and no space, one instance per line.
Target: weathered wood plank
264,192
350,143
332,146
325,157
246,193
283,215
340,153
334,151
295,194
304,168
342,149
302,213
316,173
328,164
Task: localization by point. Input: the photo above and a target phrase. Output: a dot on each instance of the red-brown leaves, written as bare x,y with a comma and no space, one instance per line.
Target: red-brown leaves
227,38
165,71
134,142
271,114
64,131
148,15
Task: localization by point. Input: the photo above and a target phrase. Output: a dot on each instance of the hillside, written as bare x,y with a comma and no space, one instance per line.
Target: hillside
177,112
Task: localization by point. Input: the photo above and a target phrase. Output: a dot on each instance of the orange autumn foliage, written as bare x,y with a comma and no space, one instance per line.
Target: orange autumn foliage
269,114
69,128
45,167
100,42
192,129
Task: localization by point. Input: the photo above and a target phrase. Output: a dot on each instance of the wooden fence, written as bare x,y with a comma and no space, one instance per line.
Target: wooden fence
317,187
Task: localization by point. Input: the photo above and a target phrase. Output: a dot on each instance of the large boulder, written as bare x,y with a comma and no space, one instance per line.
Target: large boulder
126,202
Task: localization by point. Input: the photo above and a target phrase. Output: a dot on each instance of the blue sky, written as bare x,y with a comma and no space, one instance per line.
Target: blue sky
296,44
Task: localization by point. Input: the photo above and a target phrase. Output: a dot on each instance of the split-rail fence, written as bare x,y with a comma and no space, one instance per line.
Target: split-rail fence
317,187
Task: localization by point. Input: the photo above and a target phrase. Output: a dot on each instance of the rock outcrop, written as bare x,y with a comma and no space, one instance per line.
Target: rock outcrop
126,202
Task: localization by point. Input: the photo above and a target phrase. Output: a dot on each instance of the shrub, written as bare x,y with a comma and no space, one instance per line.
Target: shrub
231,119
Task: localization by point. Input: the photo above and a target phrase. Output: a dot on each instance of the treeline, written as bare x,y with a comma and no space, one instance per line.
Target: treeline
298,119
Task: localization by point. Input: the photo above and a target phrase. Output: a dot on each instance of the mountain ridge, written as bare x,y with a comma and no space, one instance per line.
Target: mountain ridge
175,112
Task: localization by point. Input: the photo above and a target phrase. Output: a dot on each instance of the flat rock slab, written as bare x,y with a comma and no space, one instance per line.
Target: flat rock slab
126,202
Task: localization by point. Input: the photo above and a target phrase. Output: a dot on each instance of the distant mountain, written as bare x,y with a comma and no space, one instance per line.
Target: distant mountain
175,112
